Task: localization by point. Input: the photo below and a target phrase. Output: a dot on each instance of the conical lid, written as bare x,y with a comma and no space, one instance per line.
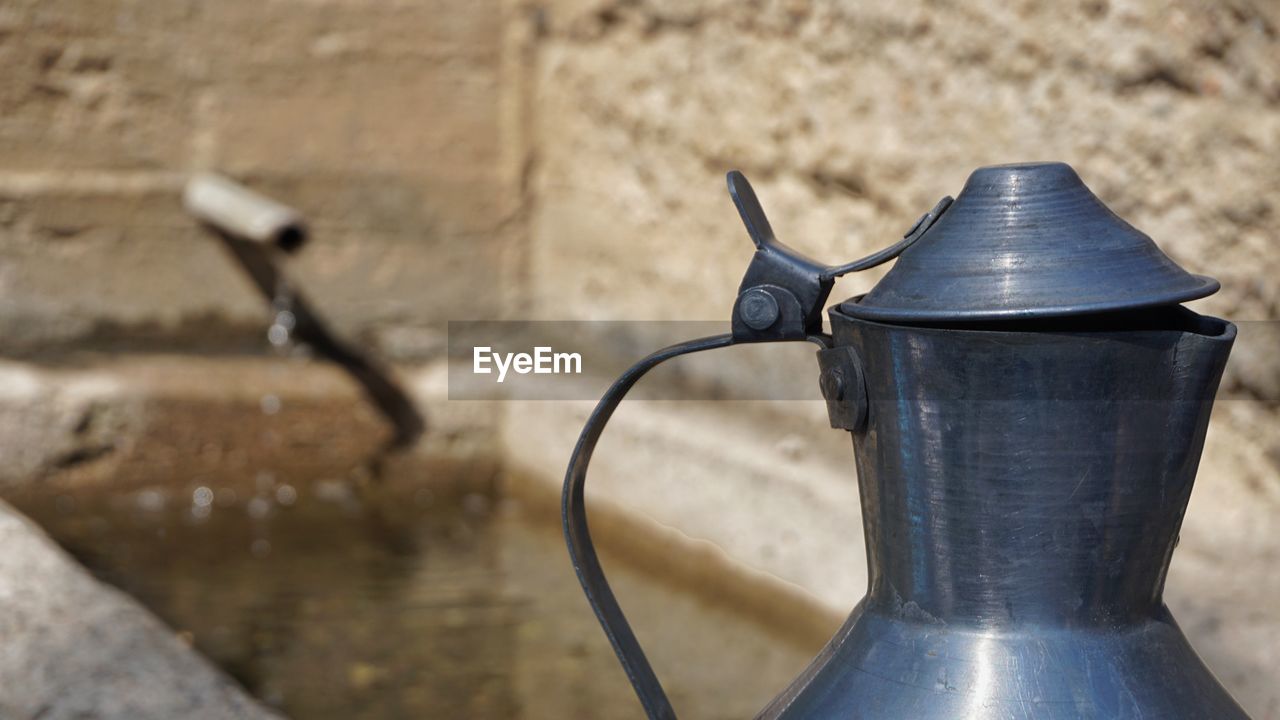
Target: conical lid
1025,241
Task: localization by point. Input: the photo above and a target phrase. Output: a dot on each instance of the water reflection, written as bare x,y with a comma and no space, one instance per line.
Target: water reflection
332,600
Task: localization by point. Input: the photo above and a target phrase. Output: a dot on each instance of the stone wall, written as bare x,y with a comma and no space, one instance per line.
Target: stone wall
383,122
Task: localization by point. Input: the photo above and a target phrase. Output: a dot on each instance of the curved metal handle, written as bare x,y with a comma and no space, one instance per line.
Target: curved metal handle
780,299
578,537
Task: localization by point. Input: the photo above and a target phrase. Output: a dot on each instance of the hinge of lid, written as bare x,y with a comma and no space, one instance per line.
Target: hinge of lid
841,379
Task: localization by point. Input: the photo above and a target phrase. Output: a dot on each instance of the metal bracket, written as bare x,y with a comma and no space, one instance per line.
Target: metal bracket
782,293
844,387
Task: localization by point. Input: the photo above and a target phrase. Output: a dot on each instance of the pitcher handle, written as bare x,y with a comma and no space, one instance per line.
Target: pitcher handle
780,299
582,551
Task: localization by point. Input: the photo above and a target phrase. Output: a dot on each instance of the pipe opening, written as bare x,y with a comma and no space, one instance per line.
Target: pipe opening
291,237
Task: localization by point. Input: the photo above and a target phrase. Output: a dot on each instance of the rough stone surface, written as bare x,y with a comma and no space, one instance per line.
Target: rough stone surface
125,424
383,123
853,119
75,648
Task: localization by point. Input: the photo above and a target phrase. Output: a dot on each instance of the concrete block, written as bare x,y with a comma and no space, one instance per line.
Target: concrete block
102,85
99,262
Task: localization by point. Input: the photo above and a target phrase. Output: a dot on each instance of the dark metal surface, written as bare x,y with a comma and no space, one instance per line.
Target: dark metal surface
1021,493
782,293
778,300
577,534
844,386
1024,469
1027,240
384,392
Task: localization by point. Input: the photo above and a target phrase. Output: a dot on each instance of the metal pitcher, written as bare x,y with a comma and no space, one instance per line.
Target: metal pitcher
1028,403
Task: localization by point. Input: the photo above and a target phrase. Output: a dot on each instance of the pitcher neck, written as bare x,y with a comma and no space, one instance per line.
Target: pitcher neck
974,562
1029,476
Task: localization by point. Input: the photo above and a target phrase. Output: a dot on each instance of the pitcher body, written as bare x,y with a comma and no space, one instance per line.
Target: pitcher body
1022,487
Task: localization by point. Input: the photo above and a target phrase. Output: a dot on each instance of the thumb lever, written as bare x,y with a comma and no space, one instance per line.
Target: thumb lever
783,292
